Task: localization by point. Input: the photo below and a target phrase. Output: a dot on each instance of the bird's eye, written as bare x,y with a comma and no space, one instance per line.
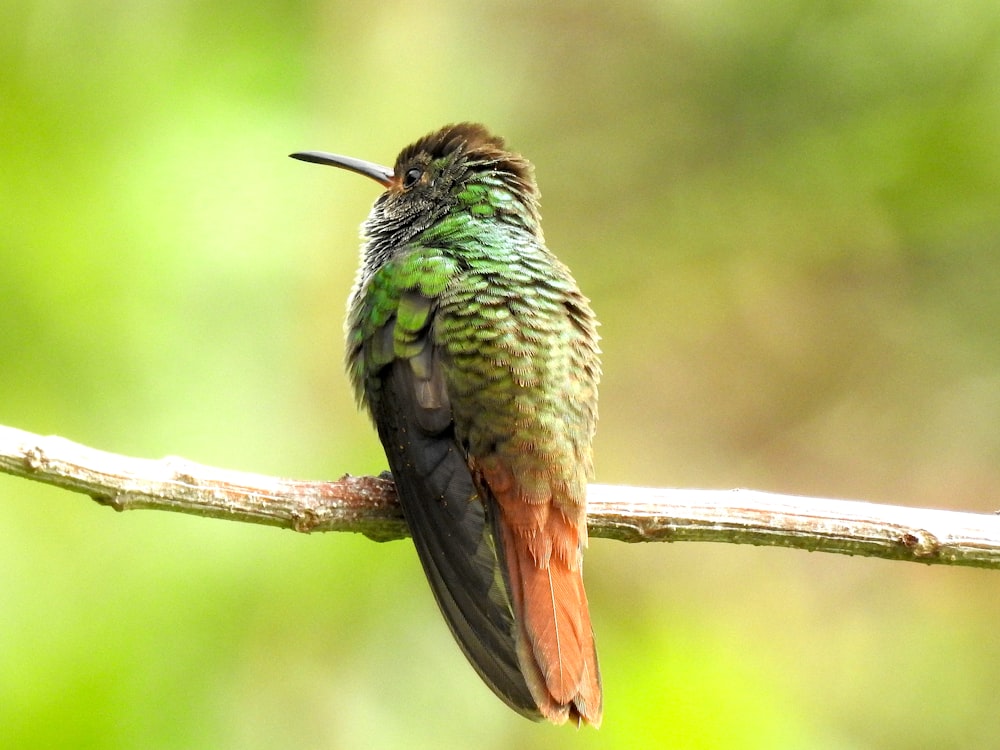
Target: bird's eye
412,177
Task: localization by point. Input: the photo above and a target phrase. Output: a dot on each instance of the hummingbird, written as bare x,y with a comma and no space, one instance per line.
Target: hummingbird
476,355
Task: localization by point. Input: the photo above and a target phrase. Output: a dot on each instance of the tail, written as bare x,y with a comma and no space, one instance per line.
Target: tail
542,546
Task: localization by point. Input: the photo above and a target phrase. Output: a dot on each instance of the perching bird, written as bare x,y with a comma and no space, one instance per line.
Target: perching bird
476,355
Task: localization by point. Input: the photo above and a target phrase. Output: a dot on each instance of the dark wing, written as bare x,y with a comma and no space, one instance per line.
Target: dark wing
452,531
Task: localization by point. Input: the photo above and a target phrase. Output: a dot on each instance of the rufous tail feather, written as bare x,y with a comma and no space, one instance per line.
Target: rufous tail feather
555,646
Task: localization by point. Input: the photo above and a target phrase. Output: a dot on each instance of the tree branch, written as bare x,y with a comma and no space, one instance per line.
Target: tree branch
367,505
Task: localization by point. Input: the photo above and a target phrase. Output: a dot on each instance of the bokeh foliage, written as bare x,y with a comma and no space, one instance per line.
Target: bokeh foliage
787,215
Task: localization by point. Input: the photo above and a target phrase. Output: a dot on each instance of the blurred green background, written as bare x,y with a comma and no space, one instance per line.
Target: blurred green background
787,216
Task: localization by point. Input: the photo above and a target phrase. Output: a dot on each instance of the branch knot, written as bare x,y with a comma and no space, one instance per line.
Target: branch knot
921,543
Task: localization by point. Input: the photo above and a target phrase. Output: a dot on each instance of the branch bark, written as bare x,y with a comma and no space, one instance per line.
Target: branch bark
367,505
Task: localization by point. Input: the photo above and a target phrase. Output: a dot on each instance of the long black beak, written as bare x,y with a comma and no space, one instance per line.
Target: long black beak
381,175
